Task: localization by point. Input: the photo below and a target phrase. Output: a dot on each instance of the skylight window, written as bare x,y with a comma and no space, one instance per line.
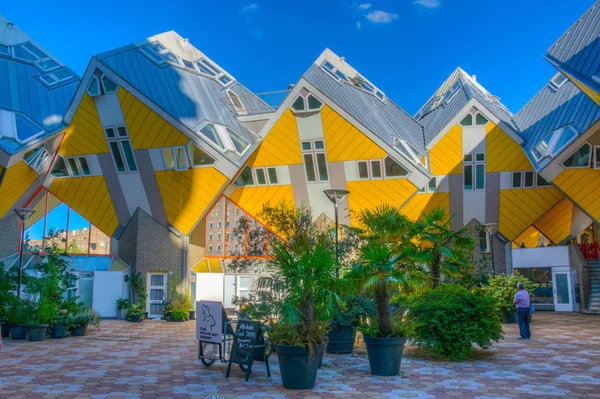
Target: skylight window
334,72
409,152
4,50
558,81
236,102
17,127
209,68
29,52
36,157
365,85
554,142
224,138
56,76
159,53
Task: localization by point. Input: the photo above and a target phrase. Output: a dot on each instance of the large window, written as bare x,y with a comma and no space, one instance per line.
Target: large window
315,161
474,171
36,158
71,166
527,179
120,148
306,102
554,142
236,103
198,156
224,138
580,158
393,168
410,152
175,158
257,176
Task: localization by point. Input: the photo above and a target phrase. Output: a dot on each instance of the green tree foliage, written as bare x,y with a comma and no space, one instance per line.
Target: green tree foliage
503,289
448,320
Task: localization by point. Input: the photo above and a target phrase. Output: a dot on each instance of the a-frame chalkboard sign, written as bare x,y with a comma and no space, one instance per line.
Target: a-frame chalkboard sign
248,345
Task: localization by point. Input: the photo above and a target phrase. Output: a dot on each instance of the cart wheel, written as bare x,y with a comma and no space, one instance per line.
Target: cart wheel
207,362
244,368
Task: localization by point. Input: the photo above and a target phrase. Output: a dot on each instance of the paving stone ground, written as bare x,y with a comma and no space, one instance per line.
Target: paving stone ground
155,359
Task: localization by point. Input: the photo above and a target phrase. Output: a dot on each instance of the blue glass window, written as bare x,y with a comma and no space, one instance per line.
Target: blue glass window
25,129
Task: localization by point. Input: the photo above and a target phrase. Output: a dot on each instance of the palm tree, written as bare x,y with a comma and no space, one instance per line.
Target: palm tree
385,264
447,253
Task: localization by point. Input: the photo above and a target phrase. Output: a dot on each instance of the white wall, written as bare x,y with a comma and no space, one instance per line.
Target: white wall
108,287
209,287
540,257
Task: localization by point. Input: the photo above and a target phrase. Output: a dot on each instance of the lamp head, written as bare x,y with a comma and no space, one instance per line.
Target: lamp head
24,213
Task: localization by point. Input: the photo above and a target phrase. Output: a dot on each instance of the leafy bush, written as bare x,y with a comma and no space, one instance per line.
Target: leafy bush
503,289
448,320
84,316
123,303
180,315
354,310
260,305
137,309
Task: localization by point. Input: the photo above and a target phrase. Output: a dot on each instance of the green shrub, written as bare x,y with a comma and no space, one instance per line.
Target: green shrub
180,315
503,289
448,320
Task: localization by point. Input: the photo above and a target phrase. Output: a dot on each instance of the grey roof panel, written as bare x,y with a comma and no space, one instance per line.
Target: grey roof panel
579,47
551,109
383,118
435,121
186,96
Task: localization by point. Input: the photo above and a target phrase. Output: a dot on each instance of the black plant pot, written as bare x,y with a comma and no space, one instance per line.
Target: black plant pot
341,339
5,330
321,353
385,355
135,318
508,317
37,332
167,314
298,369
18,331
192,315
58,331
79,331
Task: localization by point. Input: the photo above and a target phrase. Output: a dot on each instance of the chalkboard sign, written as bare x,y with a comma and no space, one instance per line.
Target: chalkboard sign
248,345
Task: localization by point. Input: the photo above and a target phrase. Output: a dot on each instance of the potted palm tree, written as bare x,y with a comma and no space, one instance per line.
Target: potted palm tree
347,317
301,272
385,266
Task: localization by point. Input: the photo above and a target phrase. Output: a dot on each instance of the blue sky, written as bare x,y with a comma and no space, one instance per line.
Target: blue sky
406,47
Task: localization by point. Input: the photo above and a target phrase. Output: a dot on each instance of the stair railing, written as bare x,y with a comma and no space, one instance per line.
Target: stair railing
589,250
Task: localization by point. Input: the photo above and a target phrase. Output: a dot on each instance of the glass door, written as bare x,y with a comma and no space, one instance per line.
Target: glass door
157,290
561,282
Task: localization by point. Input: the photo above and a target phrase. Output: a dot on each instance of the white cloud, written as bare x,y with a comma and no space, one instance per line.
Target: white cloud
364,6
381,17
428,3
358,24
249,8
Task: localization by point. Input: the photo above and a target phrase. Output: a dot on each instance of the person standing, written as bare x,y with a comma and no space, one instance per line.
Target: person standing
523,304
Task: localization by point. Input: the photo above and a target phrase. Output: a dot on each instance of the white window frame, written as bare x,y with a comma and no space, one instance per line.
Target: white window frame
241,109
512,179
174,154
384,173
8,126
473,164
596,160
77,166
314,152
474,112
101,79
488,239
38,159
255,176
381,171
119,140
189,150
556,134
358,170
589,164
555,85
333,72
87,89
304,97
412,155
269,177
223,136
524,185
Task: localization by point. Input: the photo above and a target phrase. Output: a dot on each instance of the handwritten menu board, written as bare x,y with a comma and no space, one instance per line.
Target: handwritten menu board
246,337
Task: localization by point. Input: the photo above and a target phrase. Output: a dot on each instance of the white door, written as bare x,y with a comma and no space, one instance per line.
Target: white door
561,287
157,292
245,286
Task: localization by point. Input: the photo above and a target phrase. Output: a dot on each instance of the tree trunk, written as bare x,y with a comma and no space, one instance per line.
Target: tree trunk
435,271
307,308
382,301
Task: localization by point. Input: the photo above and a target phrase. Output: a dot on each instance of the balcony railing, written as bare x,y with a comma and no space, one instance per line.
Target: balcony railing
589,250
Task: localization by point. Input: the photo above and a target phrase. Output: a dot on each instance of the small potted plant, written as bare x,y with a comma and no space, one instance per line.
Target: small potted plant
123,305
136,313
7,288
18,315
44,313
347,317
58,329
504,288
81,320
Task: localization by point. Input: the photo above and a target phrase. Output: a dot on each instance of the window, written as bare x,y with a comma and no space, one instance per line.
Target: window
236,102
272,172
36,157
306,102
261,178
363,170
484,241
554,142
315,161
474,171
517,179
245,178
18,127
109,85
120,148
432,186
409,152
579,159
480,120
56,76
175,158
596,157
219,236
467,120
557,81
94,87
78,166
334,72
541,182
159,53
218,225
59,169
393,168
376,169
528,179
210,237
474,116
224,138
210,248
210,225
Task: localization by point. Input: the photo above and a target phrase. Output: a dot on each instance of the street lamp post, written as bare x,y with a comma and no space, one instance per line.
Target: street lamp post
491,228
336,196
24,214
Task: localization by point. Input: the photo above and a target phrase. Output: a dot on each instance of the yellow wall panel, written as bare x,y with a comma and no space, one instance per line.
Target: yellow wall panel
521,207
89,197
146,128
344,142
17,180
530,237
85,134
369,194
422,203
281,146
556,223
252,199
503,153
446,155
187,194
582,186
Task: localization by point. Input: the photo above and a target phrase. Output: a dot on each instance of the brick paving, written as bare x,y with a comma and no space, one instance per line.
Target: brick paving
156,359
